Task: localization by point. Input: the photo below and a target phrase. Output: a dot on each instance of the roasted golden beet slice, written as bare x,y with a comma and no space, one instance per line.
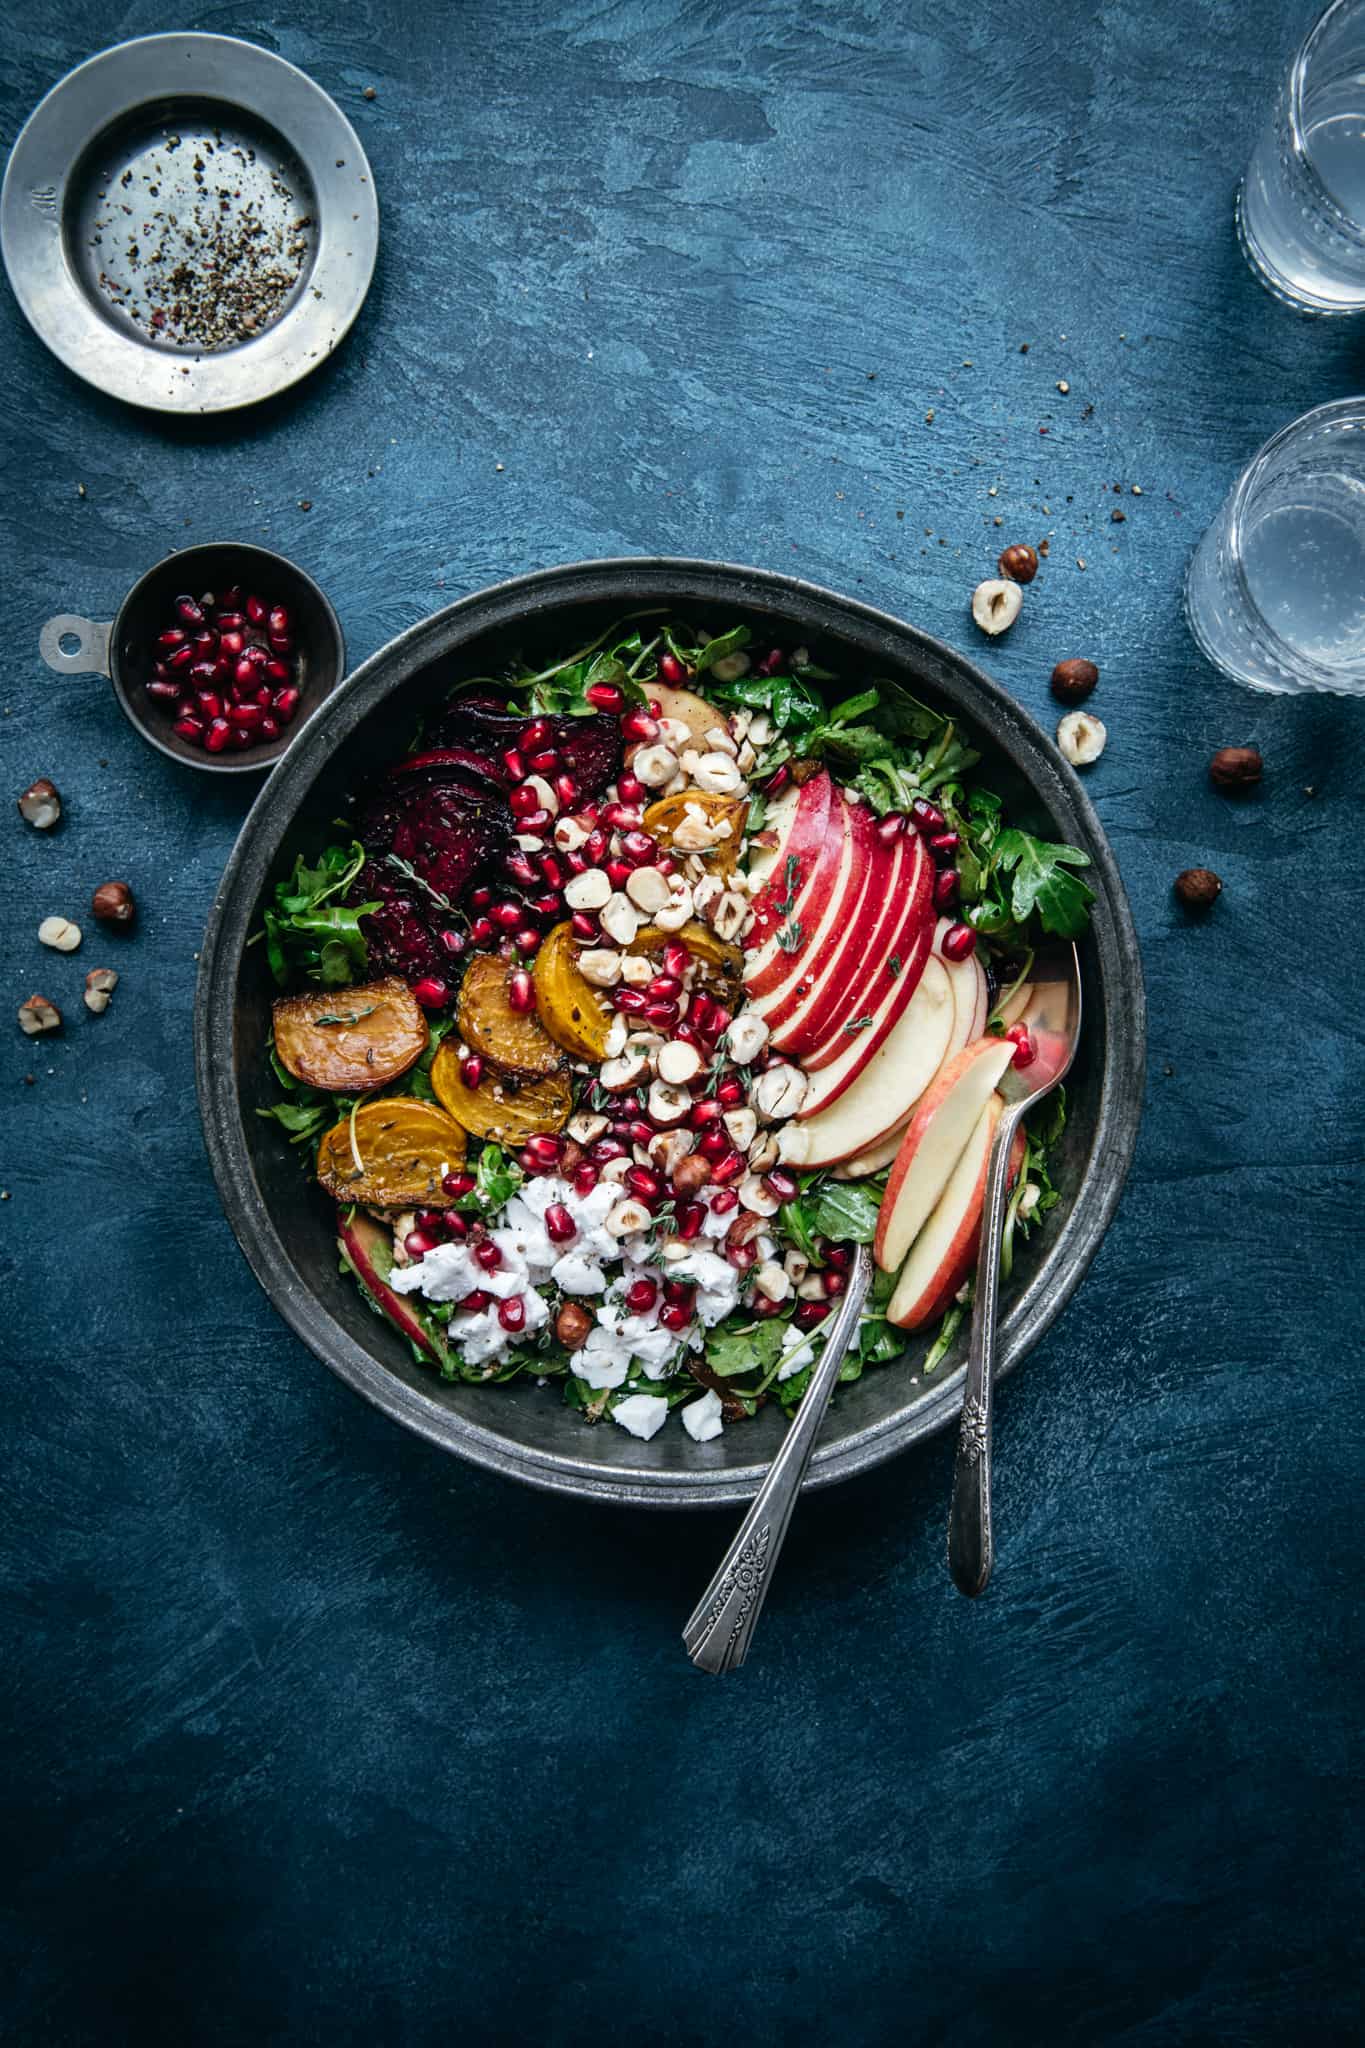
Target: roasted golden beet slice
487,1023
692,821
392,1154
727,960
568,1005
350,1038
506,1108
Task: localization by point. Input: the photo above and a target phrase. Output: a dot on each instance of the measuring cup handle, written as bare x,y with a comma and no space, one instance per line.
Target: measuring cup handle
91,657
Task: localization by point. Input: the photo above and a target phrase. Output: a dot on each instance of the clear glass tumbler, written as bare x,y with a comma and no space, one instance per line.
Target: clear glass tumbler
1301,207
1275,591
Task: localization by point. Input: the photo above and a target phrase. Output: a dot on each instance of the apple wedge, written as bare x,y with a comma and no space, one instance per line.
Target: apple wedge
945,1118
886,1090
858,1047
944,1254
1012,1010
883,983
874,1159
862,941
363,1243
796,858
832,949
971,996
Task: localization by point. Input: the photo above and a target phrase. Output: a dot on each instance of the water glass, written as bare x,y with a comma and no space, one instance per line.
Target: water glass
1301,207
1275,592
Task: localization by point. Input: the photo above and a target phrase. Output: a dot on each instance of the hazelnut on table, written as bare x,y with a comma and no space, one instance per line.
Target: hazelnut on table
113,903
1235,768
1072,681
995,604
1018,563
39,1015
1081,738
1197,888
40,805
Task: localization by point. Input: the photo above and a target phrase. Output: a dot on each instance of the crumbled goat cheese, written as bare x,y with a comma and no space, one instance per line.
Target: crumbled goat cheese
644,1415
702,1419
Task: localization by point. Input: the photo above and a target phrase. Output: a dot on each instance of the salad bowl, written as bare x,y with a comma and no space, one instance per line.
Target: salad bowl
285,1225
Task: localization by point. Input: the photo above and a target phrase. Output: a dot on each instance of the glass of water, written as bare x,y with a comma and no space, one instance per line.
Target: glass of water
1301,207
1275,591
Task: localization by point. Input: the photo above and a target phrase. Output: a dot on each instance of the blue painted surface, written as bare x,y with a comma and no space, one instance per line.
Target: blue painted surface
312,1735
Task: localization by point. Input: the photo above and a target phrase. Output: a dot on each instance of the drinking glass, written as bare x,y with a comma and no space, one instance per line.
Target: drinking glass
1275,592
1301,207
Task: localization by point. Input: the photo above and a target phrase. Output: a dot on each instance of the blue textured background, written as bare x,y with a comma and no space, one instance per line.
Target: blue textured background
311,1734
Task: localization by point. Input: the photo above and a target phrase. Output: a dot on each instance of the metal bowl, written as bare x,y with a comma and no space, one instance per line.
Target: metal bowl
122,650
286,1228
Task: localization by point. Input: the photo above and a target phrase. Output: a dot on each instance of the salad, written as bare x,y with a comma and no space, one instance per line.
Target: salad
639,992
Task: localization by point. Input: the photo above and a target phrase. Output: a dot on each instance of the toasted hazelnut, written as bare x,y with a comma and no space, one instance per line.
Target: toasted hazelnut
728,914
60,934
1235,768
1072,681
1197,888
761,1154
40,805
601,965
995,604
38,1014
573,1326
717,773
648,890
654,765
746,1035
100,984
741,1126
1019,563
1081,738
622,1072
779,1092
667,1104
730,668
587,1127
678,1062
113,903
588,891
627,1217
691,1173
772,1280
756,1196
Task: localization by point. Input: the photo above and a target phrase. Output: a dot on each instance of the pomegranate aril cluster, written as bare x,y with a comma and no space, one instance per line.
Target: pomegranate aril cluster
225,670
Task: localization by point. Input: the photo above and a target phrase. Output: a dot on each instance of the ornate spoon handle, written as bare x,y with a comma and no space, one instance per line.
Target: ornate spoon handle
969,1518
719,1631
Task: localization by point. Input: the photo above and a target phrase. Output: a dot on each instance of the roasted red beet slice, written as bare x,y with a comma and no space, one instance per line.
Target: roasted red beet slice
590,749
399,936
442,760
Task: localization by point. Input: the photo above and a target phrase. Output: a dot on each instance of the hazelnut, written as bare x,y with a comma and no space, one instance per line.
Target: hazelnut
100,984
1081,738
1235,768
772,1280
691,1174
995,604
60,934
1019,563
113,903
1197,888
40,805
678,1062
1072,681
573,1326
38,1014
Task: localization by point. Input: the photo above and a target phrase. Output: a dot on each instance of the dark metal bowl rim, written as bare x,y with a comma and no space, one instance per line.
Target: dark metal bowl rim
630,579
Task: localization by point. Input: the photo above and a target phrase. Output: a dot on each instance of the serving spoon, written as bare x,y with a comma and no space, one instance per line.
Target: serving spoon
1053,1017
722,1624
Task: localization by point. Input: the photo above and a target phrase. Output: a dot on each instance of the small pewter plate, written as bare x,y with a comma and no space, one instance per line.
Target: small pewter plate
189,223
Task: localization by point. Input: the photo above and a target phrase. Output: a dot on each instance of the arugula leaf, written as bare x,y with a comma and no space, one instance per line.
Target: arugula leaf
302,1120
307,934
716,650
842,1210
1042,883
753,1347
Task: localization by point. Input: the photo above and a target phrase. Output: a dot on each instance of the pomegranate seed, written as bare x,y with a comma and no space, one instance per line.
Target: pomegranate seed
246,716
515,765
840,1256
730,1092
701,1010
205,643
641,1296
481,930
546,762
619,873
255,610
241,737
630,789
433,1221
583,1179
218,735
512,1313
604,697
928,817
506,916
835,1283
257,657
535,821
210,703
457,1184
714,1142
174,636
488,1255
777,781
679,1291
551,868
946,884
706,1112
762,1305
782,1184
546,1149
475,1300
671,669
180,657
164,690
684,1031
277,671
559,1224
521,993
729,1168
546,903
286,703
279,620
891,826
431,992
451,941
471,1069
583,926
724,1200
534,735
945,843
233,644
481,897
688,1220
643,1182
663,1016
638,725
673,1316
417,1244
270,727
742,1256
642,1133
566,789
522,869
620,817
189,728
246,674
575,863
603,1150
522,800
809,1313
959,942
527,941
631,1001
638,848
595,846
665,988
229,620
1025,1052
189,611
721,1020
771,662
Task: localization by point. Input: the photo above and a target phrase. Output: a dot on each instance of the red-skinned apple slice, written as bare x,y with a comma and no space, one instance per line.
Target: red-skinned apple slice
944,1119
359,1241
855,1049
874,1159
889,1085
805,825
890,969
944,1254
833,949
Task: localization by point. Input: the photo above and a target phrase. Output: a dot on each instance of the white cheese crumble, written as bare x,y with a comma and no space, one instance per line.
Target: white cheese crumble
644,1415
702,1419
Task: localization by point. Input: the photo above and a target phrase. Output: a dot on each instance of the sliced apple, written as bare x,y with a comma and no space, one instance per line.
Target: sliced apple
1013,1009
890,970
970,991
856,1049
832,949
365,1245
874,1159
886,1090
943,1256
801,869
944,1120
865,934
